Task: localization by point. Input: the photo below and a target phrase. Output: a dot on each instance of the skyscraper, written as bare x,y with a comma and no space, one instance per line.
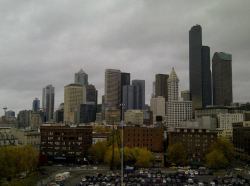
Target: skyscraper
222,79
73,97
129,97
173,84
112,88
36,105
140,94
48,102
177,111
90,94
81,77
199,69
206,77
125,80
161,85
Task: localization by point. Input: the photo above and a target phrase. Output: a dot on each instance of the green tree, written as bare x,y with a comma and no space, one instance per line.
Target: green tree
177,154
225,146
97,151
216,159
108,156
128,156
17,159
144,158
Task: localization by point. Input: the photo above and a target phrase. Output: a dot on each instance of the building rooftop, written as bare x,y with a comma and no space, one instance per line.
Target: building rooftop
224,56
173,75
74,84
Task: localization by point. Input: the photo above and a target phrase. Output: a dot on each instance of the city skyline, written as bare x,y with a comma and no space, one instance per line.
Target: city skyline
41,54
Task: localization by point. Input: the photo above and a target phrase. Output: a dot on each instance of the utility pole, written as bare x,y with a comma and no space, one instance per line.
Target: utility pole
122,144
113,146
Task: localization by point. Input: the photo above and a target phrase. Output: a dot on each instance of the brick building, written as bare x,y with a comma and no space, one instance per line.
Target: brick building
241,140
150,138
195,141
65,143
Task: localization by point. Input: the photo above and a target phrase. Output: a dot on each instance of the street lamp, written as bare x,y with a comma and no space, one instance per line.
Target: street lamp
122,144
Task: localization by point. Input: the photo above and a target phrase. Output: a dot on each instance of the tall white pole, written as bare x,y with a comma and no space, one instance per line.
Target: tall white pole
122,148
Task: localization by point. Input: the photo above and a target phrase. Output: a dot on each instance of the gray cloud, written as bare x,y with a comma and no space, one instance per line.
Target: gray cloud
46,42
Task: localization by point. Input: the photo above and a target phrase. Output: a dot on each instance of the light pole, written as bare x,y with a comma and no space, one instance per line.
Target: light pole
122,144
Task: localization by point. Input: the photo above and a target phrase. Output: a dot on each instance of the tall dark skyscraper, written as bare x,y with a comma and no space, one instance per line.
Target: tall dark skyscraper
222,78
199,69
48,102
140,93
91,94
129,95
161,85
125,80
36,105
206,77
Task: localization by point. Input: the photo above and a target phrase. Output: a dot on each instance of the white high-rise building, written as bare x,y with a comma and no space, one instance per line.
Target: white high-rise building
81,78
173,86
177,111
157,106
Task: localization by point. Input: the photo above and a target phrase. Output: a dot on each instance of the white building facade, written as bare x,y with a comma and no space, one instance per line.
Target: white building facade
157,106
176,111
225,123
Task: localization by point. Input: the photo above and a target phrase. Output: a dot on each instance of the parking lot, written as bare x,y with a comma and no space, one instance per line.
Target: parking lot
145,177
156,177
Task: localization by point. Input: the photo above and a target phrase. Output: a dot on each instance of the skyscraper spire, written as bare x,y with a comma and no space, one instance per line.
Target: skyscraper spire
173,86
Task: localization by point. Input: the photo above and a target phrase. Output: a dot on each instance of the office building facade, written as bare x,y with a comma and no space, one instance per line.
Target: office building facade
140,94
125,80
158,107
199,69
48,102
73,97
176,111
86,113
36,105
133,117
196,141
161,85
112,88
65,143
150,138
222,79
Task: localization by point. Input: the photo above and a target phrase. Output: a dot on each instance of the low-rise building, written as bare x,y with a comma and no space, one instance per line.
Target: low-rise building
99,137
27,137
204,122
150,138
6,137
133,117
195,141
36,120
112,116
241,140
225,122
65,143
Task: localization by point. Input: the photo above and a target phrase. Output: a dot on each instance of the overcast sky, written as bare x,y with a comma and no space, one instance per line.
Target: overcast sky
46,42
